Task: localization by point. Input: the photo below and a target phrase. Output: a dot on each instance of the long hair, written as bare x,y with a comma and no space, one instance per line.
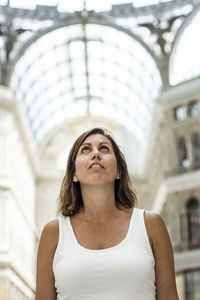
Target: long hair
70,198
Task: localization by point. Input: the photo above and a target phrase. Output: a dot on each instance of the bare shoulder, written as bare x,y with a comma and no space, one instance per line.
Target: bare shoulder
156,229
153,218
163,254
45,288
154,222
51,227
50,234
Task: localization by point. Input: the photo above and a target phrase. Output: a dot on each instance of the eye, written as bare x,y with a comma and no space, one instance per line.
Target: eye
85,149
105,148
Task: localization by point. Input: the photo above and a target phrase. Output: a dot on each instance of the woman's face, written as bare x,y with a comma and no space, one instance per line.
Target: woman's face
96,162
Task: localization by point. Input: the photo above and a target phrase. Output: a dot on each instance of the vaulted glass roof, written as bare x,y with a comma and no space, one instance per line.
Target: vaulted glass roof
185,62
81,70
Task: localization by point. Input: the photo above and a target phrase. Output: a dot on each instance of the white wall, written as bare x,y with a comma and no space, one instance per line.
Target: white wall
18,233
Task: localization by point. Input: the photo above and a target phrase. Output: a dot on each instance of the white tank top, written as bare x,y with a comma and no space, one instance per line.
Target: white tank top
122,272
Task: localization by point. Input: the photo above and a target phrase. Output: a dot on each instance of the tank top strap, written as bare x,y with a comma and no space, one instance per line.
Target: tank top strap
138,229
64,239
66,231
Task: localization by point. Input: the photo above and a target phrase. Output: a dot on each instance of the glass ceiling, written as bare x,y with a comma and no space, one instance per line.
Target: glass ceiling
81,70
78,5
186,49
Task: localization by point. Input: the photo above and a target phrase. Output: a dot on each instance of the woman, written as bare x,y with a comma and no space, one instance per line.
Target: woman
101,246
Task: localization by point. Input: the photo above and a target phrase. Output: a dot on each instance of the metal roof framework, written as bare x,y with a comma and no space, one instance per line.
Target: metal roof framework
62,64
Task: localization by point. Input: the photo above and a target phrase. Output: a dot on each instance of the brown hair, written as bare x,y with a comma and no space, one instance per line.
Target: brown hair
70,199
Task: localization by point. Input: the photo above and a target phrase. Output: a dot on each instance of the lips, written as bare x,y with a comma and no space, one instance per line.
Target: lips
96,164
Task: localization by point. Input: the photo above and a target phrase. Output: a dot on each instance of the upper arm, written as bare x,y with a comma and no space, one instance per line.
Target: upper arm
45,279
163,254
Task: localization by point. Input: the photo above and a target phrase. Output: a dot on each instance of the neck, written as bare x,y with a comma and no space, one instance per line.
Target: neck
99,203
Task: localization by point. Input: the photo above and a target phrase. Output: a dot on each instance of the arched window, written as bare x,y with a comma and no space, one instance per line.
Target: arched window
182,152
196,147
193,222
194,108
180,113
192,284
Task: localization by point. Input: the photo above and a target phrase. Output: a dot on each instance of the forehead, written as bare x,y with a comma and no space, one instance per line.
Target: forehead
97,138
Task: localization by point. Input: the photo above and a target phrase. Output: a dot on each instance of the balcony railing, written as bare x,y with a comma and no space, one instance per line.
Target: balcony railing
180,170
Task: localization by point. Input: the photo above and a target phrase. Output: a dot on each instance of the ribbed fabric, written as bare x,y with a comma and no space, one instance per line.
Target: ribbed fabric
123,272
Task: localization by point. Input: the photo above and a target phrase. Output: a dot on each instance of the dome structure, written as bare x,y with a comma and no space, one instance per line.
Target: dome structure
83,70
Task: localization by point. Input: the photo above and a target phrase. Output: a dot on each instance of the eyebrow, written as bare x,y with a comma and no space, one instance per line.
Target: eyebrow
99,143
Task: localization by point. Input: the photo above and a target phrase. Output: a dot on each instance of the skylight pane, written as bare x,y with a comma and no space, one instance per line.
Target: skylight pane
78,81
95,49
80,93
126,42
96,81
186,49
50,77
78,67
94,31
32,53
62,70
109,69
110,84
124,91
74,31
97,92
136,68
95,66
64,85
111,53
124,75
110,36
76,49
19,95
42,45
110,65
48,60
20,69
56,37
61,53
29,99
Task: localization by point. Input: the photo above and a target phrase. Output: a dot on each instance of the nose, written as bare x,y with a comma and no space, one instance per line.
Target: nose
96,154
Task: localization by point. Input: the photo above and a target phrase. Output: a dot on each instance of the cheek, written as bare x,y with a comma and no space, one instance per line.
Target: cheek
113,165
79,164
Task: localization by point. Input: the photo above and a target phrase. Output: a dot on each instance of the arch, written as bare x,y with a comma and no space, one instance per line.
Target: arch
77,20
78,85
